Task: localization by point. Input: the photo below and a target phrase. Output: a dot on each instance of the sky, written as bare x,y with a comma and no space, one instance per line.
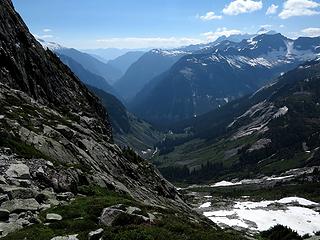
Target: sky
133,24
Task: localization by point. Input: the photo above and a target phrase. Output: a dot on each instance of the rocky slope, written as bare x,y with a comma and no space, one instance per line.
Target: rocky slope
55,135
216,75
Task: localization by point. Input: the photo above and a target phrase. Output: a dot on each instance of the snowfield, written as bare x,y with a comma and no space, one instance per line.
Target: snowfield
293,212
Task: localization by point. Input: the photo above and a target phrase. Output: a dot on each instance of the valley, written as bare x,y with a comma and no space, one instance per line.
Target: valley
210,138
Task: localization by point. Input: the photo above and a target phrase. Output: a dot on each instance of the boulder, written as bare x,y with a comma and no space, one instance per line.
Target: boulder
6,228
132,210
110,214
52,217
21,205
13,217
20,182
18,171
95,235
23,222
4,215
66,196
70,237
18,192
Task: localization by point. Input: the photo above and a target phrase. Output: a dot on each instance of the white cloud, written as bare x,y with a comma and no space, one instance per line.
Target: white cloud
46,30
152,42
293,8
282,26
242,6
212,36
45,36
311,32
266,26
272,9
210,16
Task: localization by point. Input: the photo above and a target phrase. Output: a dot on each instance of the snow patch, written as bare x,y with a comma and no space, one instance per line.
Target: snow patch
261,216
225,184
281,112
205,205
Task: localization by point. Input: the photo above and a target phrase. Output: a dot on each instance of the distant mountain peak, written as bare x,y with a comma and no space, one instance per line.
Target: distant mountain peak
266,31
170,52
53,46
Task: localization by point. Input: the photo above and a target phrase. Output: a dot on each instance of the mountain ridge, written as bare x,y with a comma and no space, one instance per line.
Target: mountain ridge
268,132
211,77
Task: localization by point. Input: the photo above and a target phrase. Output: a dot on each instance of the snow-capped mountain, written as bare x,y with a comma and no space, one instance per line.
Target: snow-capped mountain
88,62
150,65
211,77
53,46
158,61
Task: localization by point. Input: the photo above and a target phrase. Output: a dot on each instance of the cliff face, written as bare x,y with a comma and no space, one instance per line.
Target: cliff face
26,66
55,128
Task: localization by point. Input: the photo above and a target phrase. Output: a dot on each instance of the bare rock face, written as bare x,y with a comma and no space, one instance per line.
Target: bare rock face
18,171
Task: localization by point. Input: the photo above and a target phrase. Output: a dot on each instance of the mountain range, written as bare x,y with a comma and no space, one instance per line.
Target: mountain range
268,132
211,77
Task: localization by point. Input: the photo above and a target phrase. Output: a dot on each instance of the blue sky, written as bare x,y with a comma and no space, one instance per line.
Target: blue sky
163,23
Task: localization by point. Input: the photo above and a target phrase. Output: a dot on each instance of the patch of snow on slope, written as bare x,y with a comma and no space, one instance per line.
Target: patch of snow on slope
225,184
214,58
172,53
281,112
261,216
300,201
205,205
279,178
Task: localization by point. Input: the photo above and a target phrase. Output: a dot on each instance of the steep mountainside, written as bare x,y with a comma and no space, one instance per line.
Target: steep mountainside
268,132
92,64
55,136
128,130
86,76
215,75
150,65
125,61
